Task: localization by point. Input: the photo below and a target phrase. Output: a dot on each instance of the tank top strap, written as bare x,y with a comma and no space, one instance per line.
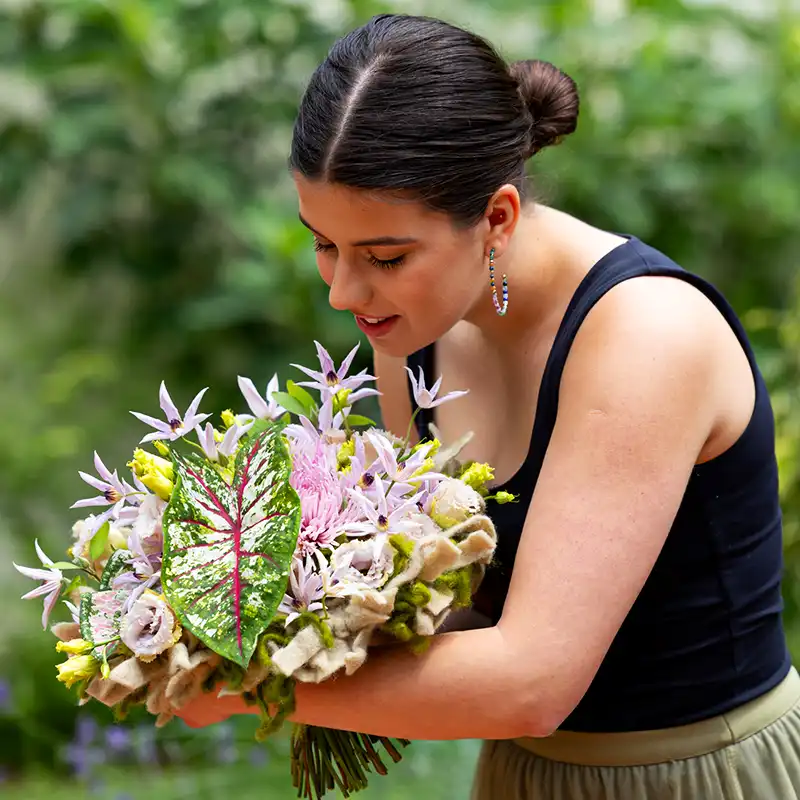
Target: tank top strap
631,259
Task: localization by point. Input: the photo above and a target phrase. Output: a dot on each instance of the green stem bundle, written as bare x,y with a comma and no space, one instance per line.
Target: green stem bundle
324,759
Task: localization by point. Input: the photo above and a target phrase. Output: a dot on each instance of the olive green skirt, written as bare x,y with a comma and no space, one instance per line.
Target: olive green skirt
751,753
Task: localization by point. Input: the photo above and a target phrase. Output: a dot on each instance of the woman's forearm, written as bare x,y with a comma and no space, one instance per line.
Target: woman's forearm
468,685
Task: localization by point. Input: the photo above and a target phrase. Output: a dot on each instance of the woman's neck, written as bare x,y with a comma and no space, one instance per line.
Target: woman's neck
550,254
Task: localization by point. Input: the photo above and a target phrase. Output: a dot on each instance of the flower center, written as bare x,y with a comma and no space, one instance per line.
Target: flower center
112,495
383,523
366,480
331,378
175,424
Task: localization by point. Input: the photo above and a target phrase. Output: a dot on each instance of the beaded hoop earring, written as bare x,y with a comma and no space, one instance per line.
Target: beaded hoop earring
499,307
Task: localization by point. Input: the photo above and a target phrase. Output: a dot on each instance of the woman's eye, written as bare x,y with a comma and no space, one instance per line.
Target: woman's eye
321,247
388,263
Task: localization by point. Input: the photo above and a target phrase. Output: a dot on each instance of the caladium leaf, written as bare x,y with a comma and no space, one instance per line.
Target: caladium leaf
117,564
228,548
100,616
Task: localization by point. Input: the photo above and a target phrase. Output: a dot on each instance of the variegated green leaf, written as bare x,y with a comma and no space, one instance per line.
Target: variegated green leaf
228,548
117,564
100,615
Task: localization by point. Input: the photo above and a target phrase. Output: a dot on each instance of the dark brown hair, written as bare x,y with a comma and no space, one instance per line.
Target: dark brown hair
416,106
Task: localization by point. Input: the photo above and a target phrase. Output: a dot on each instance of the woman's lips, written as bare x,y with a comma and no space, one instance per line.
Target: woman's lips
375,327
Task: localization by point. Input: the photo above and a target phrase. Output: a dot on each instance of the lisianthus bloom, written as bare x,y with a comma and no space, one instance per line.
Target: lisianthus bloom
453,502
154,472
75,647
149,627
77,668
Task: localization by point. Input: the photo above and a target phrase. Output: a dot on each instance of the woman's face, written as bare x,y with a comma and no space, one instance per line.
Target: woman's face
406,273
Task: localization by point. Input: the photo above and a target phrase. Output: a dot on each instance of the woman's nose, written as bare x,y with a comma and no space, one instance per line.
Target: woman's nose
348,290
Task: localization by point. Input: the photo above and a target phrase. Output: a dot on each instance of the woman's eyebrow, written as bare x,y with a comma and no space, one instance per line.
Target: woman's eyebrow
376,242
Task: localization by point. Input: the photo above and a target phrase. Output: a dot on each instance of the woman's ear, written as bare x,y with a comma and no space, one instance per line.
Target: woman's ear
502,214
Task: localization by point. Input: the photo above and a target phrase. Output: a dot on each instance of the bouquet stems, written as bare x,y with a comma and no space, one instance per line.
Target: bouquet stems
324,759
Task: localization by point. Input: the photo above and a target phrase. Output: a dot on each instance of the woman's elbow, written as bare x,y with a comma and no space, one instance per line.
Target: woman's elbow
542,706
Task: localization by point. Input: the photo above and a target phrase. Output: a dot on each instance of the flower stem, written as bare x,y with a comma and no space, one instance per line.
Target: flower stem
323,759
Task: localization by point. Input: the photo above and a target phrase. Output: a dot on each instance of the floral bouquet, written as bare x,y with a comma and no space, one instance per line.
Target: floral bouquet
266,552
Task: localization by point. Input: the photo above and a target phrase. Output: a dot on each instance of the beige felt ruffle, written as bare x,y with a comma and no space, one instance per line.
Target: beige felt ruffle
172,680
354,621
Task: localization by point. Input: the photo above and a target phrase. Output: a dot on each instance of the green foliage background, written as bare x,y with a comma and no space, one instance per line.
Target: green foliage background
148,230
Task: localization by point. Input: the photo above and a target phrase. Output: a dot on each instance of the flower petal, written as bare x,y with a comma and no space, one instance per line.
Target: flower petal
317,376
258,405
49,604
325,361
33,573
191,412
348,360
42,557
153,437
102,470
101,486
230,440
206,439
152,422
91,501
37,592
360,394
273,386
414,384
167,406
447,398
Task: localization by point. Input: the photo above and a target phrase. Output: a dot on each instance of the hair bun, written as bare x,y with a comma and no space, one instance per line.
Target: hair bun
552,100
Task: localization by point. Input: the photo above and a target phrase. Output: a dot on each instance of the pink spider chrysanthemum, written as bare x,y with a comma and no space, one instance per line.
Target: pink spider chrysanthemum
327,511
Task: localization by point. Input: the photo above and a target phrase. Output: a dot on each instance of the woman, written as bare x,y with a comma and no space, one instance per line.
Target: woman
635,646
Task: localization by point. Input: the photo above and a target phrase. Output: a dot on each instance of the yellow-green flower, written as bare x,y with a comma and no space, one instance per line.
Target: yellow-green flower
428,465
341,400
77,668
344,454
477,476
162,448
154,472
228,418
432,446
505,497
74,647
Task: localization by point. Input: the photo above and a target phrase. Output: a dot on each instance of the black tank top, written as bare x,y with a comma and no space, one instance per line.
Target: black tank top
705,634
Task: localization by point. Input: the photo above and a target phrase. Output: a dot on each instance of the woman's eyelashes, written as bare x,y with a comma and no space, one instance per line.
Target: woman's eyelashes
382,263
321,247
386,263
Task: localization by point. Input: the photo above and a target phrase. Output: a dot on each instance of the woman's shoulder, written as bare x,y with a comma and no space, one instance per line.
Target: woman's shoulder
674,328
